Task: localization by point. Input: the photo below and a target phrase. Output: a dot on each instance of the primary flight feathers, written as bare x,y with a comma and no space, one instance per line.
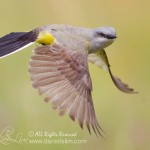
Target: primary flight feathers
63,77
59,67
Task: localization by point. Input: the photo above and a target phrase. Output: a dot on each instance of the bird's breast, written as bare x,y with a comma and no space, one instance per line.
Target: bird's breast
72,41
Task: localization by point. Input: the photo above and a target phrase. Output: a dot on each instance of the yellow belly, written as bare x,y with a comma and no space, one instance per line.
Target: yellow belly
45,38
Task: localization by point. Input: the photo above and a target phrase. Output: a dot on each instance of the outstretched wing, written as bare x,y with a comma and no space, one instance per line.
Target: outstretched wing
100,59
63,77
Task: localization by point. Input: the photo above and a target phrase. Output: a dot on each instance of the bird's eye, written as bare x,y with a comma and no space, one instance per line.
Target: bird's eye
101,34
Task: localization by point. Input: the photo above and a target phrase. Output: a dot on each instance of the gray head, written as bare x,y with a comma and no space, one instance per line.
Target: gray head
102,37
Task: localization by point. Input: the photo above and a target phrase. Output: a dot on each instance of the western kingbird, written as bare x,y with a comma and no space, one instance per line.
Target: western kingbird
59,66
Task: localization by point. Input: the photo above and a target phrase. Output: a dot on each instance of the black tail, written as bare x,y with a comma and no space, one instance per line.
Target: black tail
15,41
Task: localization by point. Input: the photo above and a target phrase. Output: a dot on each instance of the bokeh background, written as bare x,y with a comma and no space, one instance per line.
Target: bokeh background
124,117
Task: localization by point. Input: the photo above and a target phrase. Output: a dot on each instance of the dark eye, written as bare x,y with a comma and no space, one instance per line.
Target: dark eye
101,34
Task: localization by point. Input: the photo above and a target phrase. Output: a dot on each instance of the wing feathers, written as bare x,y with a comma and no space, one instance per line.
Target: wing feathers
63,76
100,59
120,85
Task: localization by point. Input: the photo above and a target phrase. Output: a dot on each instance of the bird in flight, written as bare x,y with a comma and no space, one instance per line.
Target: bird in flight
59,66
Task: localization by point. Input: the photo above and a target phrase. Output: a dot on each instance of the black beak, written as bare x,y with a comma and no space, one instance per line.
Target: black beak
111,36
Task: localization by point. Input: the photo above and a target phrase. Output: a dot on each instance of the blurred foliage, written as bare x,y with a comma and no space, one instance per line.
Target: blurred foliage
124,117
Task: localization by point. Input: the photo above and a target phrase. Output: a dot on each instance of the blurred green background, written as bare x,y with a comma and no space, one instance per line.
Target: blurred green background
124,117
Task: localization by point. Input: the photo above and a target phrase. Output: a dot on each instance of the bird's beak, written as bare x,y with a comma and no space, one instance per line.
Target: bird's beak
112,37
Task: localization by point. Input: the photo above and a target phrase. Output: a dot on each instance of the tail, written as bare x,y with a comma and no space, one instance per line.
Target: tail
15,41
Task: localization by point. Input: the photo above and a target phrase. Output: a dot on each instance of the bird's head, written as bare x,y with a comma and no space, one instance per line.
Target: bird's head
102,37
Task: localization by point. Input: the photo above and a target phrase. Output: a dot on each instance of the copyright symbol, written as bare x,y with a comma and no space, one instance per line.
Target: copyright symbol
30,133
